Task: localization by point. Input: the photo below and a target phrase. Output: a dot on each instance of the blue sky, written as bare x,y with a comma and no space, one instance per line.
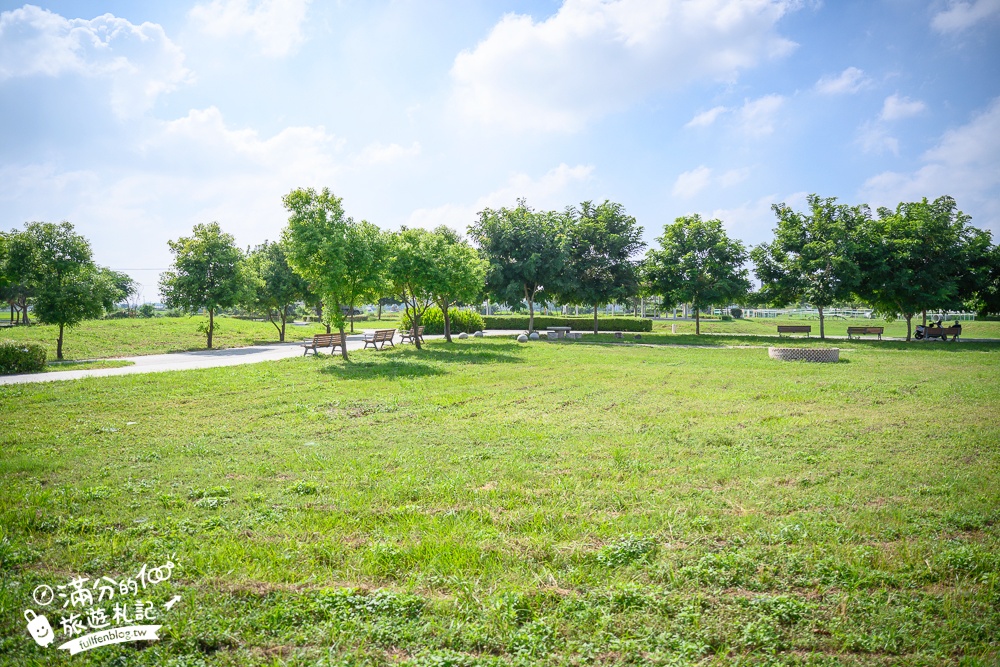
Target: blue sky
136,120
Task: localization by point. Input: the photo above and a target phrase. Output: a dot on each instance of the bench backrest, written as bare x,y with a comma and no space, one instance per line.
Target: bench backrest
384,334
869,330
942,331
793,328
324,340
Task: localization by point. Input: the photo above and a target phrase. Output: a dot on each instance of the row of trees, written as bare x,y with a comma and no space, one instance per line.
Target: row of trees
921,256
51,267
325,259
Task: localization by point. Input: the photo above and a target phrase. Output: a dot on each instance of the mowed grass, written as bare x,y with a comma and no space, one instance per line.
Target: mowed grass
488,503
99,339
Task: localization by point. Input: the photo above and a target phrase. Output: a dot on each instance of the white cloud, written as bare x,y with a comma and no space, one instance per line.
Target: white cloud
551,190
965,164
874,138
896,107
734,177
752,221
140,61
592,58
690,183
962,15
379,153
757,116
276,25
851,80
706,118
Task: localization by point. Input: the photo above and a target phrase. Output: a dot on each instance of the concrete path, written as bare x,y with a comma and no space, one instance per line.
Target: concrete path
182,361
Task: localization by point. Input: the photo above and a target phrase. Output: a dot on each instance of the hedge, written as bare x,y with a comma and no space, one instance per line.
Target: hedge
462,321
520,322
16,357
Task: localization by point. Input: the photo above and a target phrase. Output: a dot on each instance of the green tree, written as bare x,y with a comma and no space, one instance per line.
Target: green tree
525,251
697,263
913,259
16,267
812,256
601,242
459,273
276,286
343,261
207,273
987,298
413,271
69,288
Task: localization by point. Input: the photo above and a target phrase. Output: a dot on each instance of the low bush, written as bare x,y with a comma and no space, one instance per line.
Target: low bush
520,322
18,357
462,321
736,312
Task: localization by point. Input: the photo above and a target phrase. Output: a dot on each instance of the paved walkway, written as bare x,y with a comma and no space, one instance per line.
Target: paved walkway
181,361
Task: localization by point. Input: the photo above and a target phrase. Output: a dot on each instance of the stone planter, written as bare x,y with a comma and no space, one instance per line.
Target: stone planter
818,354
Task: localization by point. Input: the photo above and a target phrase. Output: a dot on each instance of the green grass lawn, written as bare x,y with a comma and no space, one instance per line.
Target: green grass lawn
487,503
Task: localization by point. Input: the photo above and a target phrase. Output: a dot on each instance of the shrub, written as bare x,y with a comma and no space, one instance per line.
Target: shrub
467,321
736,312
21,357
147,310
727,318
520,322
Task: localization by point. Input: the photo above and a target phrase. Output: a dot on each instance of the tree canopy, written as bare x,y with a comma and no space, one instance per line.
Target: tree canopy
525,251
274,287
459,274
600,244
912,259
207,273
67,286
812,256
697,263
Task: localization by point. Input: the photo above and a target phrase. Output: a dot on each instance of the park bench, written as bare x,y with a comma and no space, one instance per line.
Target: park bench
942,333
383,336
794,328
863,331
330,340
407,336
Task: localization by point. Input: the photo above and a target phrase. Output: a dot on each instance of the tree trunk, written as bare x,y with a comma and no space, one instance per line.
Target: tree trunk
822,332
595,318
697,321
909,322
284,318
59,343
380,310
319,314
447,324
211,326
343,339
416,326
531,310
925,317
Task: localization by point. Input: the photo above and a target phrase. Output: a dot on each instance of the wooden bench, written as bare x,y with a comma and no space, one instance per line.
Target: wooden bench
794,328
407,335
865,331
382,336
942,333
330,340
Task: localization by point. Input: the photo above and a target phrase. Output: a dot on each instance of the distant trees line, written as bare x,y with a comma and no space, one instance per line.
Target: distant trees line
920,256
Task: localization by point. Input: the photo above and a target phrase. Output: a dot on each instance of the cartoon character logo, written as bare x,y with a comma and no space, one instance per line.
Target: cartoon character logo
39,628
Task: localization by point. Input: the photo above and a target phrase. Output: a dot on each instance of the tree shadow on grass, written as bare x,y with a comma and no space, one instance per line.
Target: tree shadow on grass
388,367
465,352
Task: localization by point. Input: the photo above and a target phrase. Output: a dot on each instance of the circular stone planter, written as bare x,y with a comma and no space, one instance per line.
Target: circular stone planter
820,354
